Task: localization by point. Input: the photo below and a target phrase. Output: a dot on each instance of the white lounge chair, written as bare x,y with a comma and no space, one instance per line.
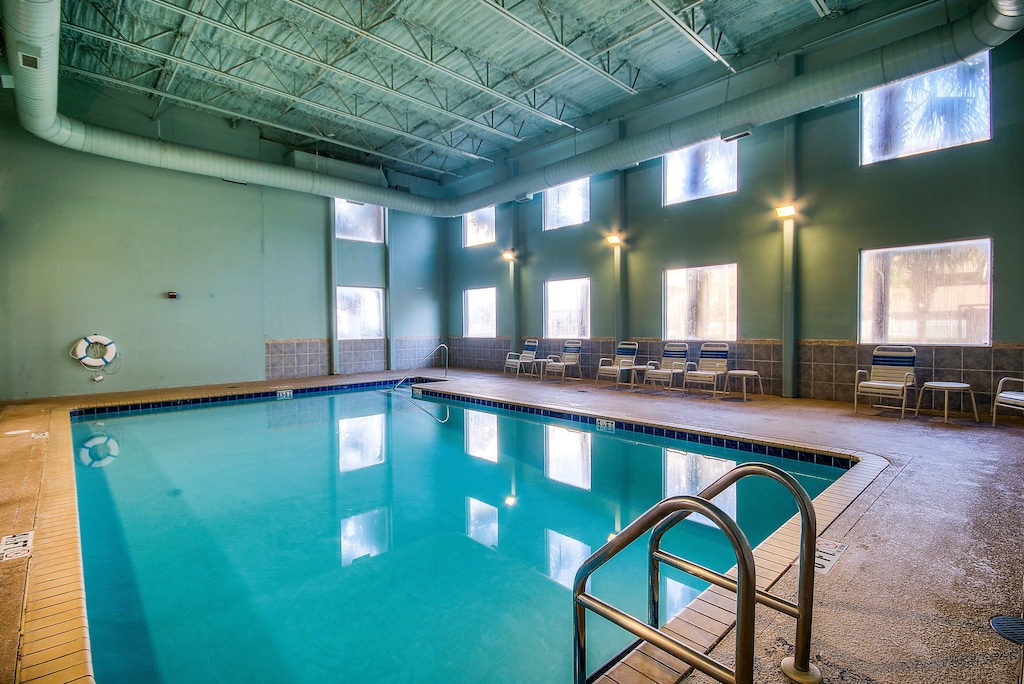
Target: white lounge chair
712,364
620,367
891,376
674,364
570,358
524,360
1008,398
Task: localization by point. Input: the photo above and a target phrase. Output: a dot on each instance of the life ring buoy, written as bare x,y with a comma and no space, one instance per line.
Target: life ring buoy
81,351
98,451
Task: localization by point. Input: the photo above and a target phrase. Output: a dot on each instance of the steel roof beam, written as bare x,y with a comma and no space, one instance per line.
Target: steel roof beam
235,116
275,92
691,33
556,45
320,64
363,33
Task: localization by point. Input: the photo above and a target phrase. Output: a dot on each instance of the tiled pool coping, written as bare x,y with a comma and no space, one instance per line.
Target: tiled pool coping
54,644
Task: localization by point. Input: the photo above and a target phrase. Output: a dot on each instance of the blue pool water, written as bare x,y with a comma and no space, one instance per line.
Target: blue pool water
358,538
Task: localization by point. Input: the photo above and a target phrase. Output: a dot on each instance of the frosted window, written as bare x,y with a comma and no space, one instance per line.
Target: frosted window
933,111
687,473
364,222
482,522
567,308
700,303
927,294
567,205
701,170
478,227
565,556
481,312
567,457
360,442
364,535
481,431
360,313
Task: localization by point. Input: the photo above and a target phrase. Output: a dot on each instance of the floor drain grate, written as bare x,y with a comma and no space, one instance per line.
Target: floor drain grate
1010,627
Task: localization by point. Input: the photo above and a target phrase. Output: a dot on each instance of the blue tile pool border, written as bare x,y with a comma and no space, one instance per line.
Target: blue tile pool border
844,462
841,461
135,408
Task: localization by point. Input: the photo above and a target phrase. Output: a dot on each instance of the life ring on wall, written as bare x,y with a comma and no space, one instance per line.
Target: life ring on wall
98,451
81,351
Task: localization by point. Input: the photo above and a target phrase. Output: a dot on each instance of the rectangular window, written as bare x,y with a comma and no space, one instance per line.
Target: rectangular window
360,313
567,205
480,307
481,521
701,170
700,303
688,473
933,111
567,308
478,227
353,221
365,535
927,294
567,456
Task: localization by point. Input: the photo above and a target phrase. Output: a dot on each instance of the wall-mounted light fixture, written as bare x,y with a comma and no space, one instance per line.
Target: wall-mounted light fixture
509,255
614,239
785,211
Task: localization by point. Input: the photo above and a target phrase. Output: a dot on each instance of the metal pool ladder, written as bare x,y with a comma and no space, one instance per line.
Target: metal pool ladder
663,516
422,361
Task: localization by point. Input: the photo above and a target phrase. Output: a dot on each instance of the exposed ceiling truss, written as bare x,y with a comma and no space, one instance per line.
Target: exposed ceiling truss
433,88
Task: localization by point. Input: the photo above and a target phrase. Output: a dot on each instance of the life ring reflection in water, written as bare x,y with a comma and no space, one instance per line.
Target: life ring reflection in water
94,351
98,451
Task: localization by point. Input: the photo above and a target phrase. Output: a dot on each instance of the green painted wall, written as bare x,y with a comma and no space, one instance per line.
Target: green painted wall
416,282
952,194
91,245
480,266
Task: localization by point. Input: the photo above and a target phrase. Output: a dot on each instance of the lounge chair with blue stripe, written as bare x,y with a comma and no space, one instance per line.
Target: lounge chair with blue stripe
619,368
522,361
712,364
674,364
891,376
570,358
1008,398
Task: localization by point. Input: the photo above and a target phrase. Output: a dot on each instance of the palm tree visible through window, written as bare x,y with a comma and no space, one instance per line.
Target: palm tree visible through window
934,111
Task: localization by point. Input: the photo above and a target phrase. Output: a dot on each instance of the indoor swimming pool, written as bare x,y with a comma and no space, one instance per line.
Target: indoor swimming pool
372,537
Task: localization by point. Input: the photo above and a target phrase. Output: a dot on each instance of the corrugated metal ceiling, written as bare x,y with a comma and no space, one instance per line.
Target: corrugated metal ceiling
427,87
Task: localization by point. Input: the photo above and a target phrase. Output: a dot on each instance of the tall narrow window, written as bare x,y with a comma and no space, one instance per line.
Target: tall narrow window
701,170
481,521
933,111
700,303
478,227
927,294
687,473
567,308
567,205
480,308
565,556
353,221
360,313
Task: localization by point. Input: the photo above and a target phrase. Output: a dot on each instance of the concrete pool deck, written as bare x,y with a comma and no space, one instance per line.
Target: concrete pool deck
935,541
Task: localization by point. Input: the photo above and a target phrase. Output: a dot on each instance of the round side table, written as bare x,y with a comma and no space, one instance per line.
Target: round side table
946,388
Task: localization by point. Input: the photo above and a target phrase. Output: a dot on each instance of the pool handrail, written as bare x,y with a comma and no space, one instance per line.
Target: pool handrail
421,362
798,666
743,672
660,519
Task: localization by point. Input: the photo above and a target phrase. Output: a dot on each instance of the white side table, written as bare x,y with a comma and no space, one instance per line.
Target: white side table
744,375
946,388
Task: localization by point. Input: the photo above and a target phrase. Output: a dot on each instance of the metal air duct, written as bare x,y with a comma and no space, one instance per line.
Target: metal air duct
32,28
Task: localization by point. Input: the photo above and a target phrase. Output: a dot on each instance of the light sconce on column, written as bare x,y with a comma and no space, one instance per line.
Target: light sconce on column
785,211
614,239
509,255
